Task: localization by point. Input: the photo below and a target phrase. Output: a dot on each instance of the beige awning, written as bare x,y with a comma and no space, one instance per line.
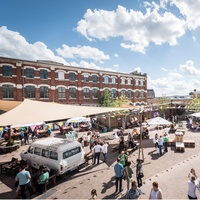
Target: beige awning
30,111
8,105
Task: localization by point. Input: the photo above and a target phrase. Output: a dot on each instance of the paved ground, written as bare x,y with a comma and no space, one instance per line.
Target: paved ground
170,171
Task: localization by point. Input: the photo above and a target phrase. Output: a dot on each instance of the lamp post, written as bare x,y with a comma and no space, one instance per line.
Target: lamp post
141,152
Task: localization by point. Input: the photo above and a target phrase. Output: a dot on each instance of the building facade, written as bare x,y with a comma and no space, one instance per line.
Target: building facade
55,82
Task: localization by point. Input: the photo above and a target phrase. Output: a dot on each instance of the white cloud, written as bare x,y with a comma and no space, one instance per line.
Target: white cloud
164,69
136,29
12,44
190,10
189,67
137,69
194,38
82,52
116,55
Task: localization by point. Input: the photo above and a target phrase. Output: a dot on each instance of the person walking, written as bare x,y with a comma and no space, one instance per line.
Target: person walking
139,173
104,151
97,151
155,140
192,173
118,168
135,192
192,186
155,192
128,173
165,140
24,181
160,145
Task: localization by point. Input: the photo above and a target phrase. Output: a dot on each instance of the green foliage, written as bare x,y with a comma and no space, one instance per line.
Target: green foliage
163,102
194,105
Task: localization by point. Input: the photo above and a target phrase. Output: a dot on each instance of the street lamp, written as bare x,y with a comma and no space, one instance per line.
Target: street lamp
141,152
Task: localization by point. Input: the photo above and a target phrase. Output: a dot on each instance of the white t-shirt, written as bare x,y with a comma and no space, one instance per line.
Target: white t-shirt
192,189
97,149
154,194
105,148
160,141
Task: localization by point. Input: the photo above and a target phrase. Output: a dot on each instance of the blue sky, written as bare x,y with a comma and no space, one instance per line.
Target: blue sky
160,38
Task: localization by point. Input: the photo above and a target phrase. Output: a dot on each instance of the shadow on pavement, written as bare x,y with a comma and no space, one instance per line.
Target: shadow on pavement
108,185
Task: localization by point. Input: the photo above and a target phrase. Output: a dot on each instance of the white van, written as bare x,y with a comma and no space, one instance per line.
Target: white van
58,154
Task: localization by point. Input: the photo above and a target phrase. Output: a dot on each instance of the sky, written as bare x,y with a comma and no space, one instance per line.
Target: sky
160,38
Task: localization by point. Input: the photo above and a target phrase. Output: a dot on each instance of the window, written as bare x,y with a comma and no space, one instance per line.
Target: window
142,94
30,149
113,80
43,74
61,93
72,76
141,82
129,82
30,92
94,78
37,151
7,70
123,81
106,79
7,91
123,93
137,94
136,82
95,93
129,94
86,78
71,152
45,153
61,76
114,93
53,155
72,93
86,93
44,92
29,73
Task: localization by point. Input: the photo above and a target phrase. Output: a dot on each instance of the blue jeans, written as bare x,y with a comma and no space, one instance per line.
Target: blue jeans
165,145
160,150
96,156
105,156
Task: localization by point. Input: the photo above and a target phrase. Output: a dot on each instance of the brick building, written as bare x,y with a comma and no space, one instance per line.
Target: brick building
55,82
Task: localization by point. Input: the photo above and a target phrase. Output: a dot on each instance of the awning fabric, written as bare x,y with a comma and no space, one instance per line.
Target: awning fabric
30,111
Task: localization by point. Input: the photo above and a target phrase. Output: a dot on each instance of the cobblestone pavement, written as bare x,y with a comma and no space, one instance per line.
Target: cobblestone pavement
169,171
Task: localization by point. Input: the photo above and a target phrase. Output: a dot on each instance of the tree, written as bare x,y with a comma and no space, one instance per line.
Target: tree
194,105
106,99
163,102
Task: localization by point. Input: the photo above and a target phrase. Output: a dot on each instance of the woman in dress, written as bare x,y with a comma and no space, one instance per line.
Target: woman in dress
156,192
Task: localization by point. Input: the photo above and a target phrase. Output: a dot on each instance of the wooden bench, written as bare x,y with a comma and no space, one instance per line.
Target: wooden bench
180,146
171,143
189,143
10,166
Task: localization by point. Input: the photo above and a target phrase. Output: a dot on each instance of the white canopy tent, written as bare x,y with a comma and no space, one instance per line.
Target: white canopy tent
78,120
158,121
30,111
196,114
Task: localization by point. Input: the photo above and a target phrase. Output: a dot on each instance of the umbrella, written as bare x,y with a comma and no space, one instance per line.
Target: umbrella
158,121
78,120
196,114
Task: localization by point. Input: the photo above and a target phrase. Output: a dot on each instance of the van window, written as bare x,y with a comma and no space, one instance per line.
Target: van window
30,149
45,153
71,152
37,151
54,155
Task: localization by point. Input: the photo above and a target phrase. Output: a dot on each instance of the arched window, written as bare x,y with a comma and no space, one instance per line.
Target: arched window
72,93
44,92
61,76
7,70
142,94
94,78
85,78
86,93
43,74
129,94
113,80
123,81
114,93
123,93
129,81
29,73
95,93
61,93
106,79
7,92
72,76
137,94
30,91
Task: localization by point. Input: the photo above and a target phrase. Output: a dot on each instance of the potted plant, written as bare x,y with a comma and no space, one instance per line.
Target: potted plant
10,142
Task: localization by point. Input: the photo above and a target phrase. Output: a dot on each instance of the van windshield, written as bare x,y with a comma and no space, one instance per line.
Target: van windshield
71,152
